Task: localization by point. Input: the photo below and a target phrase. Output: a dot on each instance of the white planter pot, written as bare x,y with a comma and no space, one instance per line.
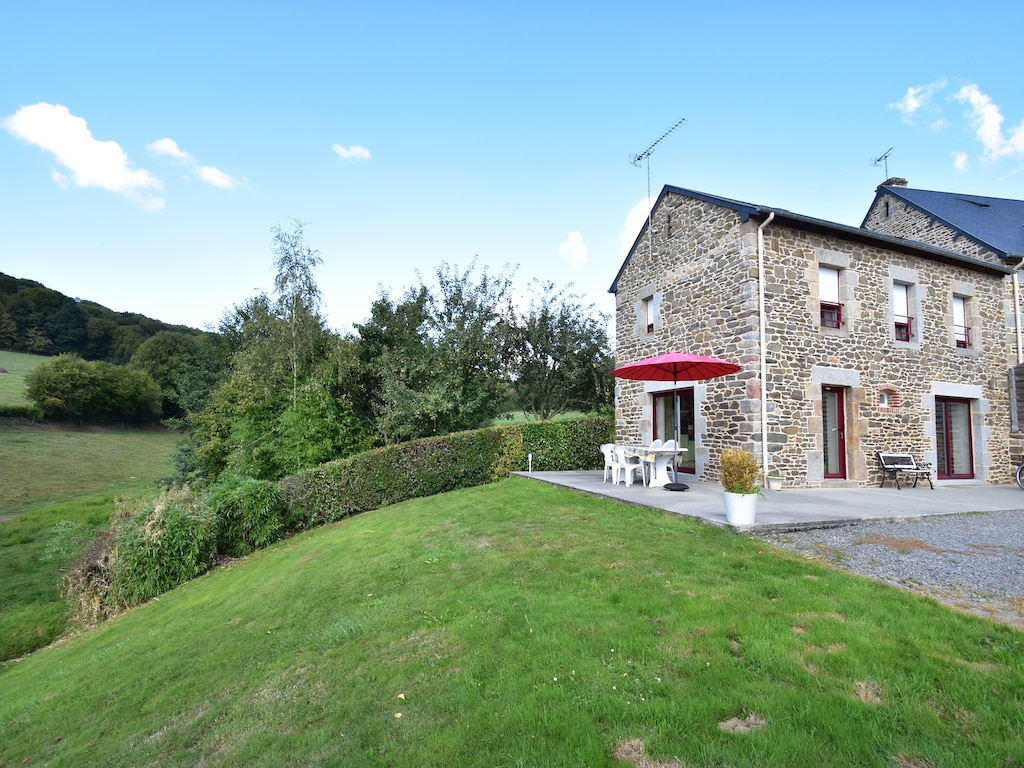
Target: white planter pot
774,483
740,508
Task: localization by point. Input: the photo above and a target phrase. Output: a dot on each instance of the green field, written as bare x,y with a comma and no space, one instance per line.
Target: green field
44,464
57,488
518,624
12,383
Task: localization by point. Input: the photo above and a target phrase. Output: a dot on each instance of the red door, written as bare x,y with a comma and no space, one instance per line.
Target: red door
664,428
953,438
833,424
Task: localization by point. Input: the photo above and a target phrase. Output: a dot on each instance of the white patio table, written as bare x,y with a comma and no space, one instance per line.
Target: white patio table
647,456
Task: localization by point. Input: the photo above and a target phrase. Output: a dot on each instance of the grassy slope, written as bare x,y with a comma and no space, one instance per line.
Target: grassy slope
12,383
85,469
519,624
43,464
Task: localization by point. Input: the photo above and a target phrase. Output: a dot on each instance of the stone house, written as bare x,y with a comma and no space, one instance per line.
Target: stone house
894,336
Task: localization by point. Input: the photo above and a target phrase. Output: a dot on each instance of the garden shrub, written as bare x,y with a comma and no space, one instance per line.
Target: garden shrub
168,542
739,471
248,513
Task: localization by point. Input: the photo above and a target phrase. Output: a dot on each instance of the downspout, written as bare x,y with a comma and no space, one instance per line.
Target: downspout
1016,309
763,351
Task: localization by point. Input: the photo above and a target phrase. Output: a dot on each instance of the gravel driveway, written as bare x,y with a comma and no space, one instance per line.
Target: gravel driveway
972,562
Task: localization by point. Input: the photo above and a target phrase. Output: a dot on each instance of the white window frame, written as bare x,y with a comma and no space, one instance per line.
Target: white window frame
648,312
903,320
912,314
961,330
829,281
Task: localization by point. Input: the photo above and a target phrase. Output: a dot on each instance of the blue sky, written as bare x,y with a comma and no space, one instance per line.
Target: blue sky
147,149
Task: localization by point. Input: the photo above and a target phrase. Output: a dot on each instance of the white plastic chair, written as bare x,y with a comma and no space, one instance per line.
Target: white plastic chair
627,465
609,462
662,461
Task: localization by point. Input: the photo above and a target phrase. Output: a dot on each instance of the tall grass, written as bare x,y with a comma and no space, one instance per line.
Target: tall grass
522,624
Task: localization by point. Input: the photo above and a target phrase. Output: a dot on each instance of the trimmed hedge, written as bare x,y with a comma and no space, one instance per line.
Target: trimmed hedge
31,412
169,540
435,465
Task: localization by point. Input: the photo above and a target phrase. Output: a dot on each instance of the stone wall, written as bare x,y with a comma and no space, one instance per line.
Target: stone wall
891,216
702,282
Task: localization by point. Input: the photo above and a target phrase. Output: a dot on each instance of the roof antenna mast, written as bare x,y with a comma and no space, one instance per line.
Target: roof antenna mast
646,156
883,159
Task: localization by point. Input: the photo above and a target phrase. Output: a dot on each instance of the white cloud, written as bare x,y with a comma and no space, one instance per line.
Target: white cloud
169,147
89,162
986,121
355,152
215,177
207,173
959,161
635,221
917,97
574,249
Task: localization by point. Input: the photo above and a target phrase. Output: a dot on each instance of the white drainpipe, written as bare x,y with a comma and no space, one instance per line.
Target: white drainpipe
1016,310
763,351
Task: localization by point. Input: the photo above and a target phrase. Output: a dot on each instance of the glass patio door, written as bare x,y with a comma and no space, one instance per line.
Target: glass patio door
833,424
953,439
663,429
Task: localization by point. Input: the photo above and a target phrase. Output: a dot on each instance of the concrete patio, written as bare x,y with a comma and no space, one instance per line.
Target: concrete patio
799,508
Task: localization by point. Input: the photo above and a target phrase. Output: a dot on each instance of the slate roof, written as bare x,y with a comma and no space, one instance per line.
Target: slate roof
822,227
994,222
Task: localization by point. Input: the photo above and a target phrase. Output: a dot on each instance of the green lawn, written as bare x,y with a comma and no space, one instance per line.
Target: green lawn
57,488
518,624
12,383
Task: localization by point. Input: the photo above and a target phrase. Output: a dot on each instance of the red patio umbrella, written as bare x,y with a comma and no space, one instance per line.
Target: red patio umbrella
675,367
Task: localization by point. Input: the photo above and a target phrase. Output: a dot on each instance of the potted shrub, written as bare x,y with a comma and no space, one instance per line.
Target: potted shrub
739,473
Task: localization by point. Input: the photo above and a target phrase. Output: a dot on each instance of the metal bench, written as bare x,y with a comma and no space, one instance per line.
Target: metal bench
895,463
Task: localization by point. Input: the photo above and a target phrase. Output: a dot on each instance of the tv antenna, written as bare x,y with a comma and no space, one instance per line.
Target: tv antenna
883,159
646,156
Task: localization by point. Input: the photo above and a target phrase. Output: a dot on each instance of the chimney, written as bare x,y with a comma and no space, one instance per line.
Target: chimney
894,181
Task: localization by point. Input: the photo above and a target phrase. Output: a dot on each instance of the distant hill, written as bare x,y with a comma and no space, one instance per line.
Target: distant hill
37,319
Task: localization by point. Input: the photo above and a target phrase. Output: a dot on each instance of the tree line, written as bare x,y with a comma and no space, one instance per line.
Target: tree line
42,321
275,390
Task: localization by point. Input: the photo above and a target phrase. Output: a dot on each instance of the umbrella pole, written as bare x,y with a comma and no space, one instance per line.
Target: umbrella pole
675,425
675,485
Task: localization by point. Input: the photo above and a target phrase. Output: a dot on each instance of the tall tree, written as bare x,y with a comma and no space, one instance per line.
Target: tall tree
561,359
8,331
298,296
434,360
469,320
394,353
168,358
282,406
